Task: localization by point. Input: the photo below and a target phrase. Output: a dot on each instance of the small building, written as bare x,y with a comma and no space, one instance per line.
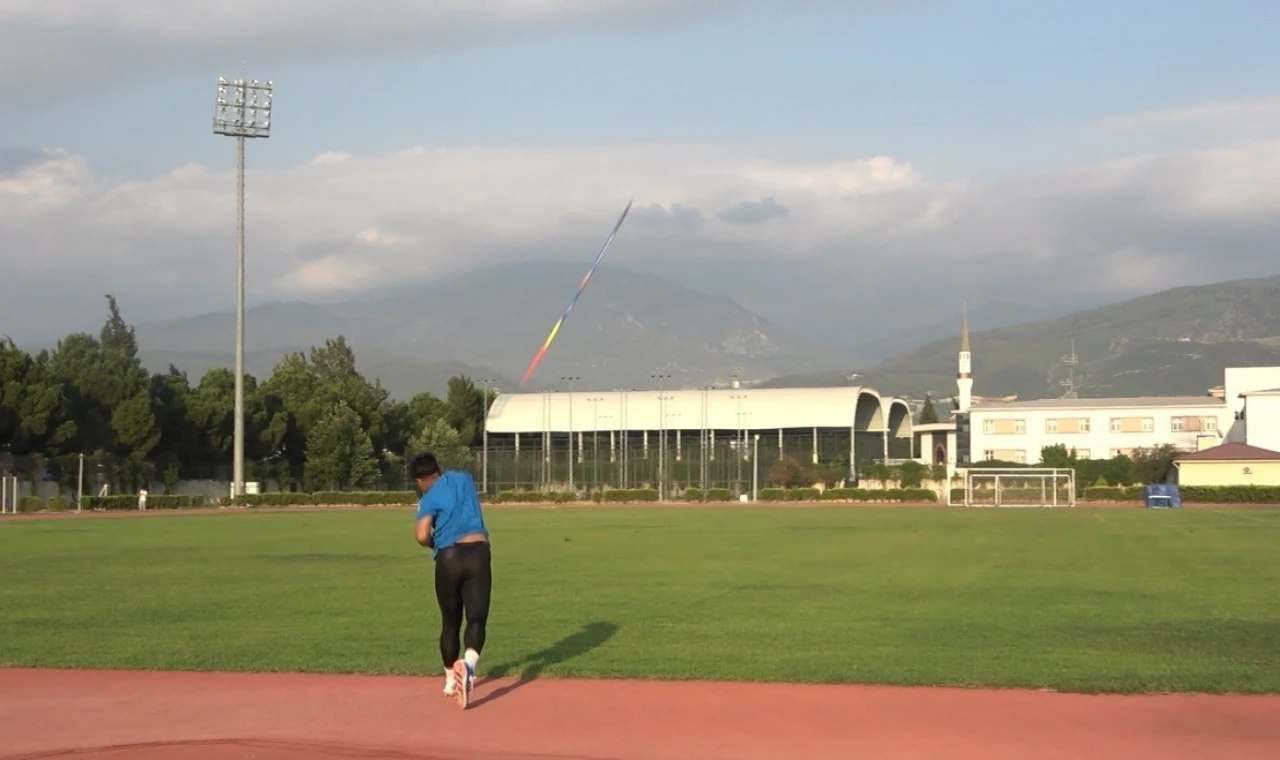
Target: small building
1260,418
1231,464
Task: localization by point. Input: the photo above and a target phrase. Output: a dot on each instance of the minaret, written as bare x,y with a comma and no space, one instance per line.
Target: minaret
964,378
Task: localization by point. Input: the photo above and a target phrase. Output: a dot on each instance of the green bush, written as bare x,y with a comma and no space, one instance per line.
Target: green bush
1231,494
898,495
1113,493
694,494
29,504
540,497
123,502
719,495
56,504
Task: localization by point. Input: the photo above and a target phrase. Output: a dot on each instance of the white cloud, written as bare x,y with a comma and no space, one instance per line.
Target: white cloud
331,228
1236,115
61,46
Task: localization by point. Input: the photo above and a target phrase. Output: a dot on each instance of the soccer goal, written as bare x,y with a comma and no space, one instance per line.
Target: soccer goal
1032,487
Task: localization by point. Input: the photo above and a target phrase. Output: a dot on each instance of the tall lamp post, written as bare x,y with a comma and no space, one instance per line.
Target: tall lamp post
572,453
484,443
662,434
595,441
242,111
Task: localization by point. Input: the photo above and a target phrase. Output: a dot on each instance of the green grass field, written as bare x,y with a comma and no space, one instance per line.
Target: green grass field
1081,600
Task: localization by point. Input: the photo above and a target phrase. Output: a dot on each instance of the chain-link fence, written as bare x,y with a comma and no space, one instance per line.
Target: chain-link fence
676,461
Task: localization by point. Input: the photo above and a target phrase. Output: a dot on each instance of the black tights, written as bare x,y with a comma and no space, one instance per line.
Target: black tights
463,582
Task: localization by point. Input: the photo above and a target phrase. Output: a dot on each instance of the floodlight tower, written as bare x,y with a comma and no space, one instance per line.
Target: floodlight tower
242,111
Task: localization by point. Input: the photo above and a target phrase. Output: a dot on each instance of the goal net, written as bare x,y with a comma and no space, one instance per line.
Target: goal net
1032,487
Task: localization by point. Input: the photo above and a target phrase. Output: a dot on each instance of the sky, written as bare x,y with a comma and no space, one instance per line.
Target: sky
821,161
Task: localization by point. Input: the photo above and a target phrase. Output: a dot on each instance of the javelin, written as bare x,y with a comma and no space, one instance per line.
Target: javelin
537,359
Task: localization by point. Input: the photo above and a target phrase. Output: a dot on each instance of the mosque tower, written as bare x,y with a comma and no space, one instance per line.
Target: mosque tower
964,377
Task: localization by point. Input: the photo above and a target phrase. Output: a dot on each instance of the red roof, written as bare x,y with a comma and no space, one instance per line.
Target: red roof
1231,452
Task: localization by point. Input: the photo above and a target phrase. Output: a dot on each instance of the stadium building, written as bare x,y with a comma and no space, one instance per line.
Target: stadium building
707,438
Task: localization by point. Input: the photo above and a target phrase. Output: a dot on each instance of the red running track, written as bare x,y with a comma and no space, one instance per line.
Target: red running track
204,716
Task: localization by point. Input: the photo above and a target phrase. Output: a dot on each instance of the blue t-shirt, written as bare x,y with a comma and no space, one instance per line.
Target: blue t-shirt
454,508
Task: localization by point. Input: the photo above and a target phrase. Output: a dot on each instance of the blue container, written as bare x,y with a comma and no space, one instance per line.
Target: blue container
1163,496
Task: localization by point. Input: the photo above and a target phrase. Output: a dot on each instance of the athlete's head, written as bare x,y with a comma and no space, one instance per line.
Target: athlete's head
425,470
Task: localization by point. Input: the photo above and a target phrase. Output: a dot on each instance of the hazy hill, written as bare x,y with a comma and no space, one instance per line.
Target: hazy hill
625,326
986,317
1174,342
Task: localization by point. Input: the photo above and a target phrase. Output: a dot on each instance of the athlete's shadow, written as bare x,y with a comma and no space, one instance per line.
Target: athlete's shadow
529,668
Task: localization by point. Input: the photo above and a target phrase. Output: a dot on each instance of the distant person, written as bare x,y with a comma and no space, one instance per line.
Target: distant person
142,499
451,524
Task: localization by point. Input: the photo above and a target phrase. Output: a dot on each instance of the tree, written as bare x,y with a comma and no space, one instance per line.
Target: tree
787,472
442,440
928,415
1152,465
118,335
466,409
1059,456
339,452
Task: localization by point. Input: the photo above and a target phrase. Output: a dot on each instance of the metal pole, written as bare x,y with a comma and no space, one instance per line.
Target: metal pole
662,435
242,111
237,467
80,484
484,451
573,454
755,469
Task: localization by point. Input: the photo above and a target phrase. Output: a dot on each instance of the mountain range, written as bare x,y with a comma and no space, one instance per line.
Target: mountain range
627,326
489,323
1174,342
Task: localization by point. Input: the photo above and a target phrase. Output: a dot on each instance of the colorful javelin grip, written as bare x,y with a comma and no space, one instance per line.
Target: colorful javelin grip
537,359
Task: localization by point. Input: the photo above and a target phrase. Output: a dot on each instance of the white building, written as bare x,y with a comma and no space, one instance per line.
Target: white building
1096,428
1246,409
1260,419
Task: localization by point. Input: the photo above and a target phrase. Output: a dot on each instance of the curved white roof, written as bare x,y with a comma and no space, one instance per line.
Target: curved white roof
720,409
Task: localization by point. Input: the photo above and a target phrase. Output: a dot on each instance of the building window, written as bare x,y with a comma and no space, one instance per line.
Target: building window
988,426
1176,424
1115,425
989,454
1050,426
1209,424
1148,424
1020,426
1084,425
1020,457
1083,454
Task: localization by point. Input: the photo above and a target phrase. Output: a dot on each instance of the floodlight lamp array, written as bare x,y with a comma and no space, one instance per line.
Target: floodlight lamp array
243,108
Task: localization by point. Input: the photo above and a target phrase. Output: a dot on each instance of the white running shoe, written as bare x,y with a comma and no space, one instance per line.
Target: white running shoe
466,681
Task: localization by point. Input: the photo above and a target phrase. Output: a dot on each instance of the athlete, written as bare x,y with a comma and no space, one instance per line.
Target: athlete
451,524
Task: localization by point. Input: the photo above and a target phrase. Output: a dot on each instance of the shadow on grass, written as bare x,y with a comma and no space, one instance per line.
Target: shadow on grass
529,668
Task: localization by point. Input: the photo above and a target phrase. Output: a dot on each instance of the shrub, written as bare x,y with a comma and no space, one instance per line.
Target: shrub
1113,493
56,504
773,494
803,494
30,504
694,494
1231,494
719,495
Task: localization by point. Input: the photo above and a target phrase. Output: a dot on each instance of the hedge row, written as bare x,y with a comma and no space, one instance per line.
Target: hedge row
329,499
1192,494
28,504
118,503
535,497
897,495
713,495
